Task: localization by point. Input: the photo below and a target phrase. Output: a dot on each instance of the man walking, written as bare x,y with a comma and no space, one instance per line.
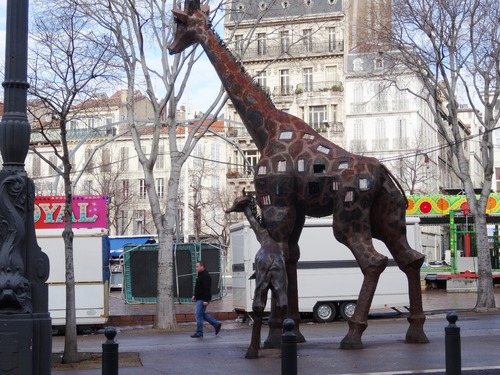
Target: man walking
203,296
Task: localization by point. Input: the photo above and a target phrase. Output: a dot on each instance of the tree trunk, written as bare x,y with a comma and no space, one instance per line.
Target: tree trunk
70,354
165,308
485,292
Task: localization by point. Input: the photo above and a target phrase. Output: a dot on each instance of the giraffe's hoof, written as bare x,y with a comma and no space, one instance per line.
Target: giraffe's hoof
416,335
350,343
252,353
272,343
300,337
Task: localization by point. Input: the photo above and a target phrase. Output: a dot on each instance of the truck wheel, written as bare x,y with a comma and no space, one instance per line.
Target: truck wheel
324,312
347,310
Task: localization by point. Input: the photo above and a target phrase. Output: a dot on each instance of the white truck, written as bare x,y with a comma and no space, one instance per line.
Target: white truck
91,284
329,279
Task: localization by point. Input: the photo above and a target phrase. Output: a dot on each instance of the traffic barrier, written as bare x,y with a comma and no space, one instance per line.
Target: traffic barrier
110,353
452,345
288,349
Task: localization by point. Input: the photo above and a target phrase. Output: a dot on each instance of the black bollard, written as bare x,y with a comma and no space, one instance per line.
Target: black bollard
452,345
288,349
110,353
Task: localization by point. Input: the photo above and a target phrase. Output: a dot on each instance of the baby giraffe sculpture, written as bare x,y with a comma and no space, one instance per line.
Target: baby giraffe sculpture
270,271
301,173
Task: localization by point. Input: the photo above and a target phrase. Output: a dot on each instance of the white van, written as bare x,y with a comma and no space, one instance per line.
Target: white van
329,279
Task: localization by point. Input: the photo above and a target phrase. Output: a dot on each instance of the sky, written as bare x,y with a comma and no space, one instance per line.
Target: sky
202,90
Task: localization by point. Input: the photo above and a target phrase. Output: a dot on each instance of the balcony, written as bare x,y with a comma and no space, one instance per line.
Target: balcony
284,90
296,50
335,86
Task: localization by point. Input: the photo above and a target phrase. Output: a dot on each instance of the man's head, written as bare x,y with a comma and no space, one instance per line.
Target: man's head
200,267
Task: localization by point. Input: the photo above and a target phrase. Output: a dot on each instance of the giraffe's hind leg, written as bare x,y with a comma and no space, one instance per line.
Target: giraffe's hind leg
372,264
393,234
410,261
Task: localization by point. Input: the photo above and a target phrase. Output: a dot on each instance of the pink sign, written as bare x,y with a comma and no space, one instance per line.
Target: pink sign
89,211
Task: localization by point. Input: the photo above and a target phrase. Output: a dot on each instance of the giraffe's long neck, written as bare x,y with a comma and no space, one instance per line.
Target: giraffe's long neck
251,103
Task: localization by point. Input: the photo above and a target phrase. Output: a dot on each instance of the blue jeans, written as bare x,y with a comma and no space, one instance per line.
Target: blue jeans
201,314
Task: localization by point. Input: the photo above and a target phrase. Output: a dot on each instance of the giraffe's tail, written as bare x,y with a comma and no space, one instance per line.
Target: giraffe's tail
396,182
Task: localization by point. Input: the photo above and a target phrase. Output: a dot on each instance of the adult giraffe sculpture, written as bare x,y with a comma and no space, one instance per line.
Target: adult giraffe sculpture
301,173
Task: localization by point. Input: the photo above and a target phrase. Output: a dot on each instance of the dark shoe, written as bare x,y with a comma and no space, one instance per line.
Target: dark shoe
217,328
194,335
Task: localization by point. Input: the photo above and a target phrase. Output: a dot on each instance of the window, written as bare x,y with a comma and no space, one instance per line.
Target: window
379,64
331,74
307,79
262,79
123,159
125,188
261,44
358,104
160,161
140,216
307,40
358,143
160,187
335,109
380,142
251,160
358,130
88,159
380,102
285,82
36,166
197,156
122,222
87,187
285,41
110,129
106,160
215,154
238,44
215,182
142,188
400,142
317,117
53,160
332,39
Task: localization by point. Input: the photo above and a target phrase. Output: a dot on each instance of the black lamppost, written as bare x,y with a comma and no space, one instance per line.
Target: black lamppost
25,324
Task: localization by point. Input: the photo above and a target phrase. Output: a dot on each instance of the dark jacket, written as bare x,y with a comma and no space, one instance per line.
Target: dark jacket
203,287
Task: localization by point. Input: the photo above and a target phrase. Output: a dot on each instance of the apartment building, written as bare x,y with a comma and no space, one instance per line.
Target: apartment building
317,61
104,161
296,54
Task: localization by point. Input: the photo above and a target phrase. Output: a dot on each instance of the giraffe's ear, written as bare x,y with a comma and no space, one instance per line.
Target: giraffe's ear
205,8
180,15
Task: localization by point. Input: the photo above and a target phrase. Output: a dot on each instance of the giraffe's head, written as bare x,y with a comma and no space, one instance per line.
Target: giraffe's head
187,21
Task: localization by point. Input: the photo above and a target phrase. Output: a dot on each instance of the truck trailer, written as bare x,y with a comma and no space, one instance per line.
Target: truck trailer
329,278
91,255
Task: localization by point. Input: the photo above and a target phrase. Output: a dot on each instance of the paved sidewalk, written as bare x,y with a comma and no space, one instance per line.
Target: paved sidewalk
175,353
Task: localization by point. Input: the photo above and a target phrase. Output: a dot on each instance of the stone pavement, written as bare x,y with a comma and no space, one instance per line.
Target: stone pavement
385,353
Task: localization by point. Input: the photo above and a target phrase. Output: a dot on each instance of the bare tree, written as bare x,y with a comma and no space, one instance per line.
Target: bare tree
415,171
139,27
68,62
454,48
107,180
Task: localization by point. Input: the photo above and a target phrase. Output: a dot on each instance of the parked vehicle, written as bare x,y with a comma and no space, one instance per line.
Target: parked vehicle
91,255
329,279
